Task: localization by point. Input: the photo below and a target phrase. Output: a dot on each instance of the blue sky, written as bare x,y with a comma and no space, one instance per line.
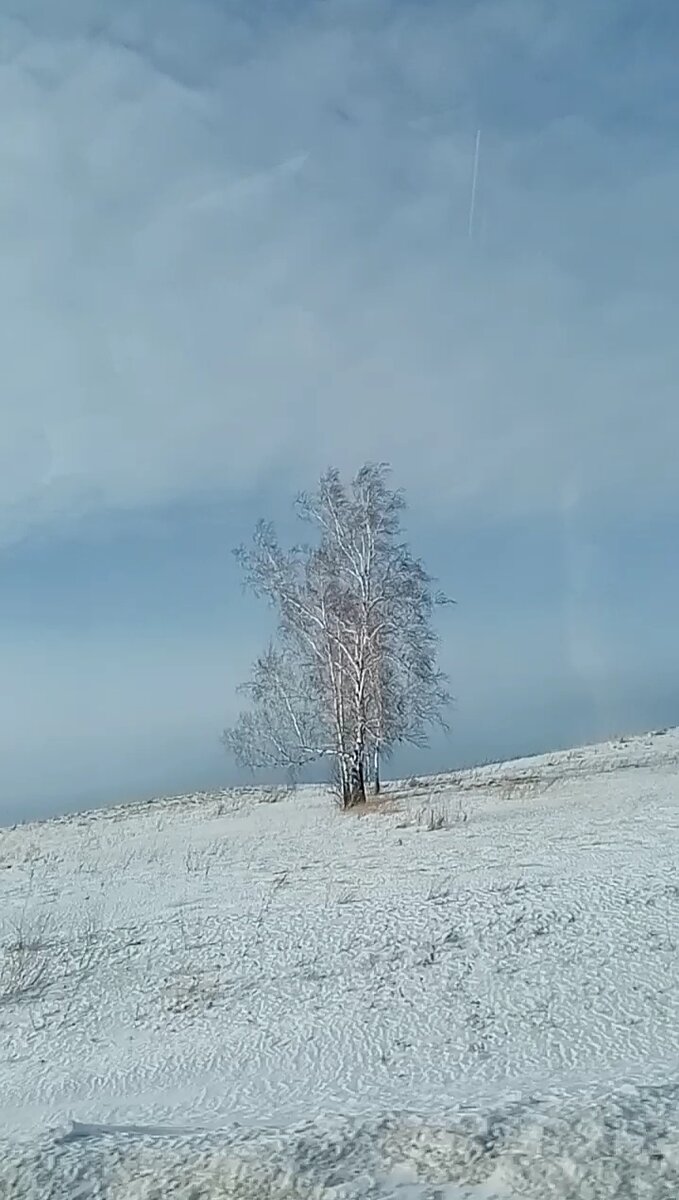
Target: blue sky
235,247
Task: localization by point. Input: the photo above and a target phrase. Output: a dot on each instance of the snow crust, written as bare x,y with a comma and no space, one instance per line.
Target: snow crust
239,998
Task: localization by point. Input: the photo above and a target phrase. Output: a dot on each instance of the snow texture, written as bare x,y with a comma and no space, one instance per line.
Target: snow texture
469,991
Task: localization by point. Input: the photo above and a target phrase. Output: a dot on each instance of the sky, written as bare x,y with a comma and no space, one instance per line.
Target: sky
238,246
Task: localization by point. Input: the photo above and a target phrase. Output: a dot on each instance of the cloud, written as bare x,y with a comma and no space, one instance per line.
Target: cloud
234,245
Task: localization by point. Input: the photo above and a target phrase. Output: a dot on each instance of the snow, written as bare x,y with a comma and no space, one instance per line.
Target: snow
217,996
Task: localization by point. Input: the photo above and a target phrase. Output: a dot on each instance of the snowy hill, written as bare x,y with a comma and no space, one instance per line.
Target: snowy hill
471,987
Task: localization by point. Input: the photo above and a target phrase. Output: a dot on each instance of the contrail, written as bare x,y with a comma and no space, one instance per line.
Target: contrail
475,177
246,186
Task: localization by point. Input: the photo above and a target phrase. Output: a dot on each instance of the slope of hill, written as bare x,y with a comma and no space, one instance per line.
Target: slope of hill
470,988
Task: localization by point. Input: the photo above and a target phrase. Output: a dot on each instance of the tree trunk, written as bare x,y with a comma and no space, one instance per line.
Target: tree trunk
357,785
358,768
358,774
376,771
344,781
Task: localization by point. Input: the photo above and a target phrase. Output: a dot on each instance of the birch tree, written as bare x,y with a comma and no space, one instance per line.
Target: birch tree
354,668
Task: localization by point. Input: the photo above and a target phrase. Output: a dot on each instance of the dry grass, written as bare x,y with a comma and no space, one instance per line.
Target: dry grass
445,799
36,958
434,817
25,962
193,993
276,793
384,803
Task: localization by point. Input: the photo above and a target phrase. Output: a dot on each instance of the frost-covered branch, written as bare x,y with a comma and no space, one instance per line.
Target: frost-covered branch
355,669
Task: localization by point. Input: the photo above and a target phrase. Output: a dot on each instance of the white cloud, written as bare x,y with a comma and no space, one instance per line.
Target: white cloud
234,242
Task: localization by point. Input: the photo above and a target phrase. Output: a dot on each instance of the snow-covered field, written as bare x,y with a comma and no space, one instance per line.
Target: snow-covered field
218,996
